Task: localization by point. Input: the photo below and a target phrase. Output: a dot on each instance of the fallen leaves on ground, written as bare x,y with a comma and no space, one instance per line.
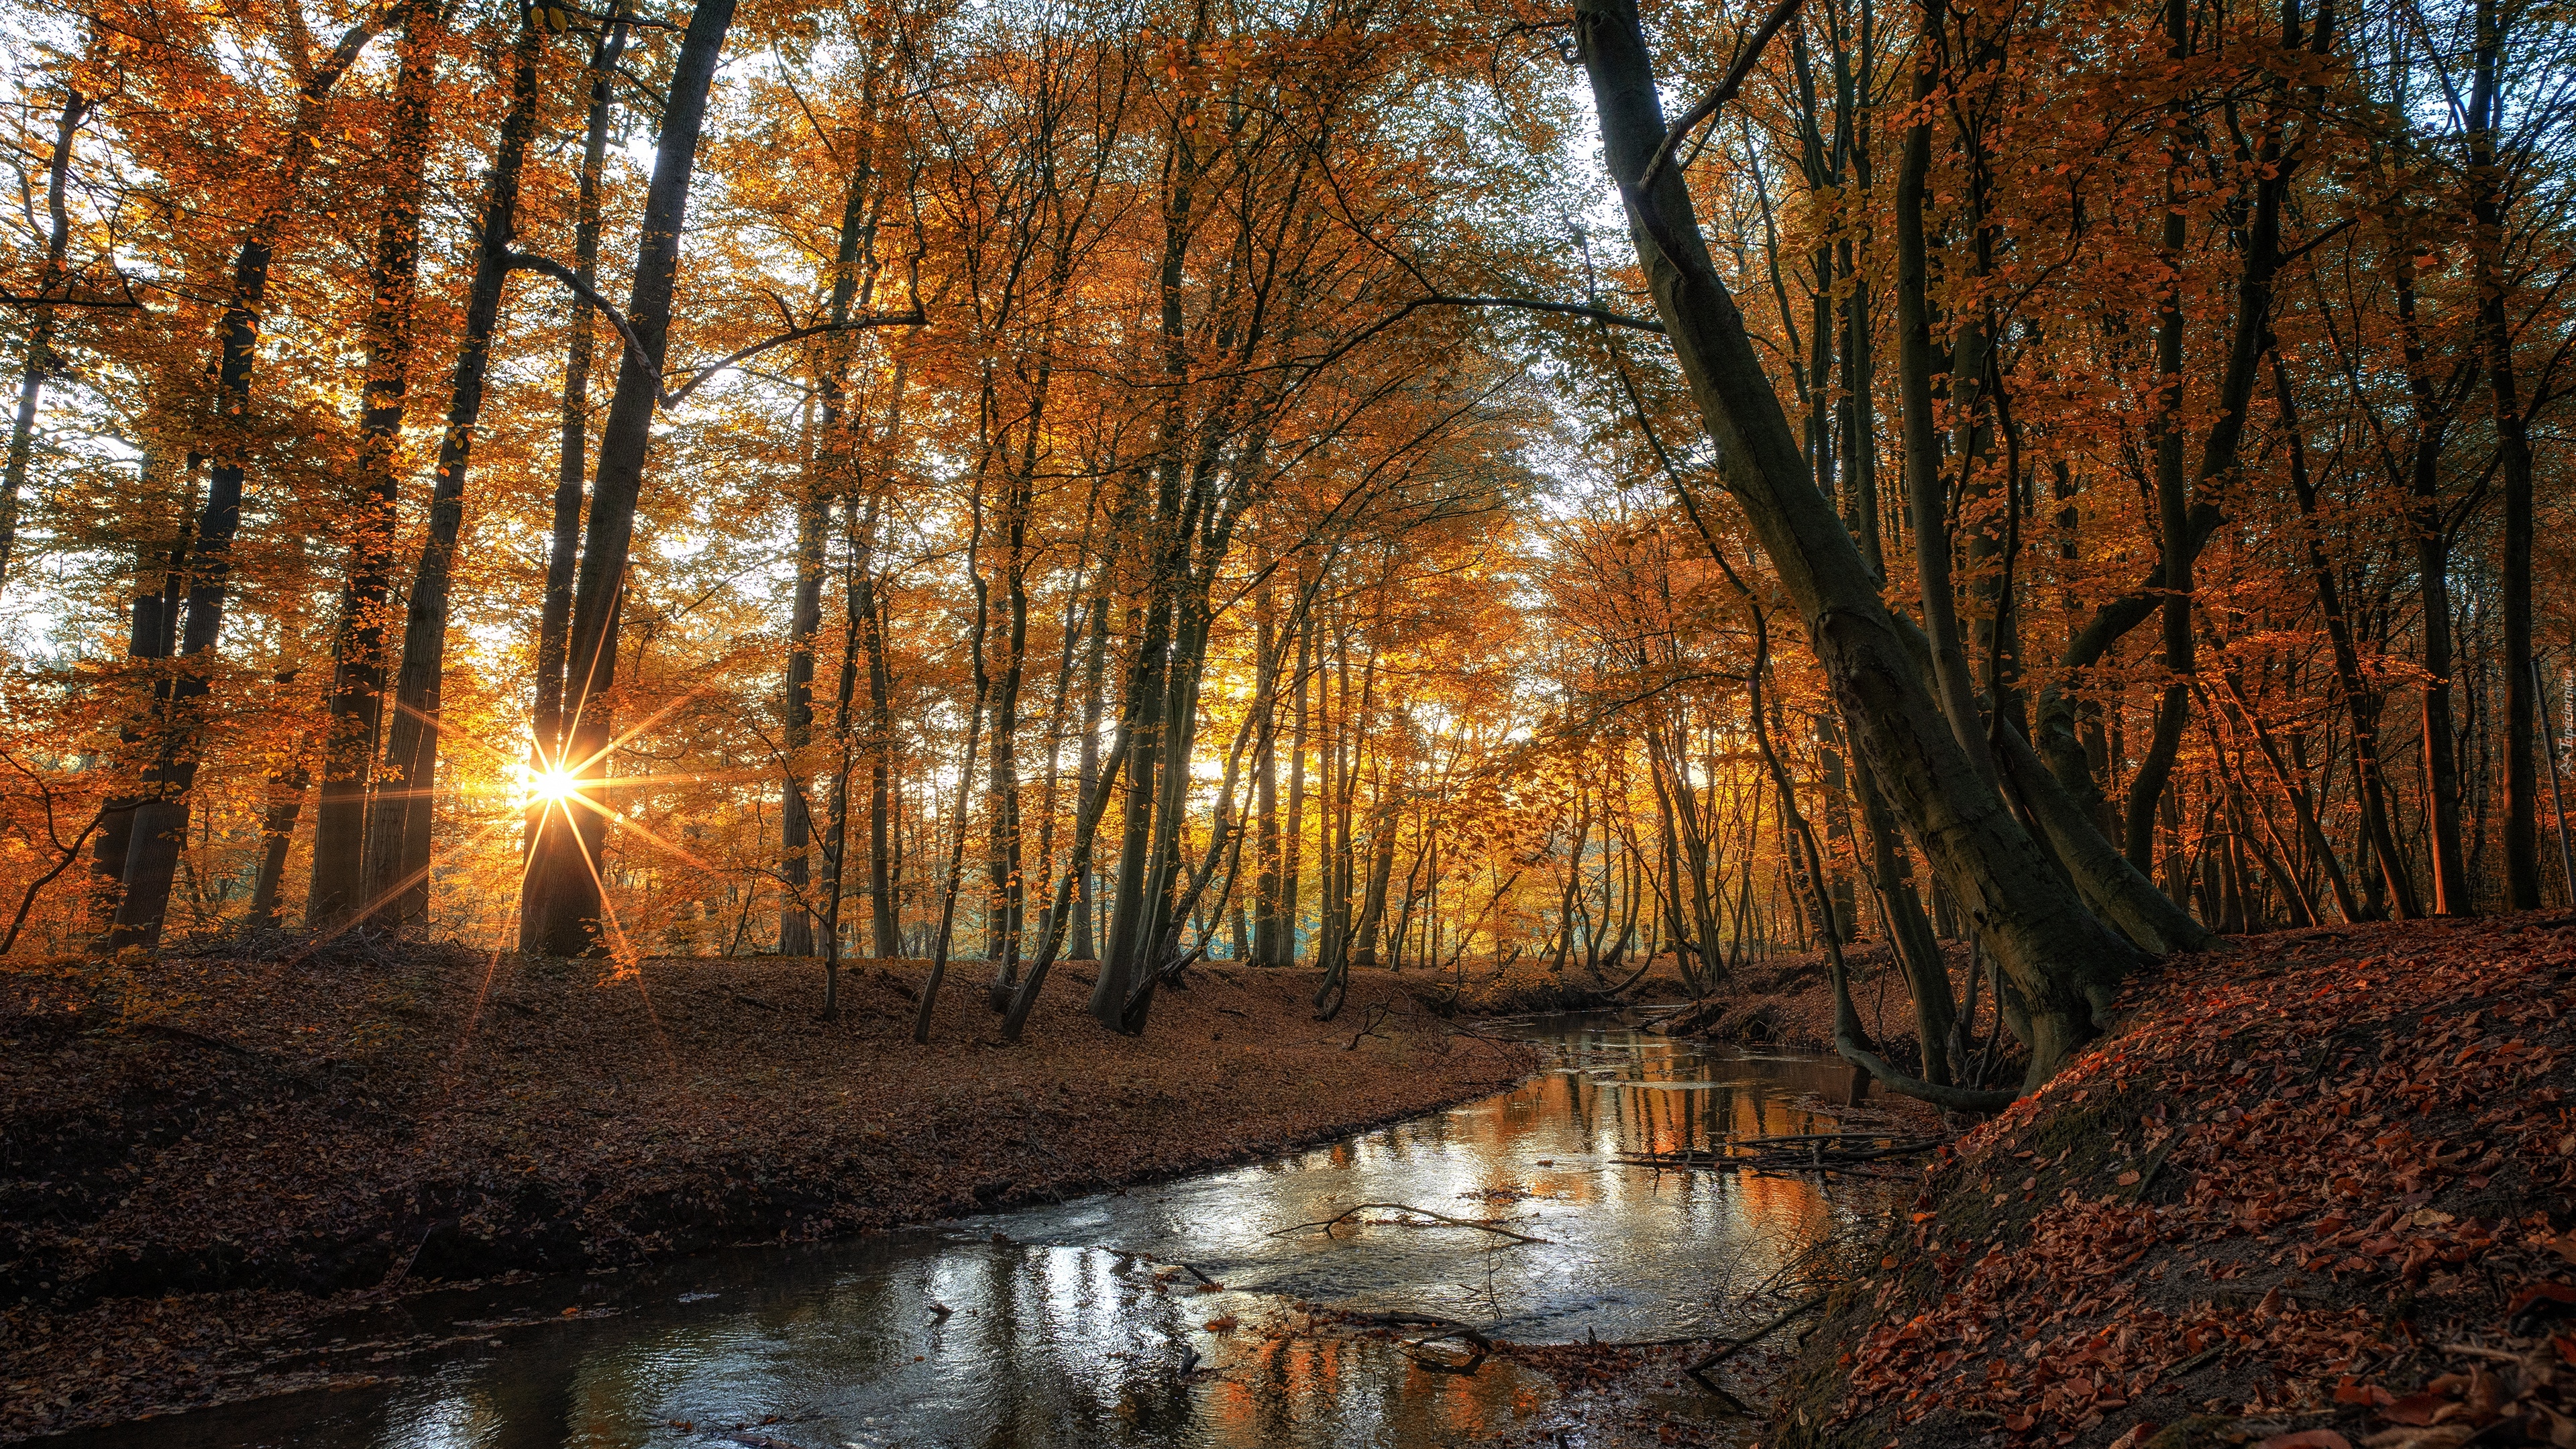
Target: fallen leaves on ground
206,1154
2315,1191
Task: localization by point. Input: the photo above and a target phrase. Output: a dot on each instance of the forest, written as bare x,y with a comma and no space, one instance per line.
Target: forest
1462,507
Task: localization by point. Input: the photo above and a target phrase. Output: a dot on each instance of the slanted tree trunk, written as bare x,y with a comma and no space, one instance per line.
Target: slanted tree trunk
2059,964
561,902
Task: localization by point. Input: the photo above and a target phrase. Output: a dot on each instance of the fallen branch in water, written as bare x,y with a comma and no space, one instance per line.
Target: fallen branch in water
1328,1224
1782,1153
1477,1344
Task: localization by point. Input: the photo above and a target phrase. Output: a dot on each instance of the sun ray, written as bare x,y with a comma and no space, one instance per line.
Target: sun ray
366,911
656,717
447,732
615,818
608,919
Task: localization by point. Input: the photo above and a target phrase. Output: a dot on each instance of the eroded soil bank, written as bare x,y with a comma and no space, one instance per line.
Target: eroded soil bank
2315,1191
203,1155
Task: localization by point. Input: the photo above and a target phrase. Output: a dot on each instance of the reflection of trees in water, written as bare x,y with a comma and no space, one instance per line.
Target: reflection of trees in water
1079,1343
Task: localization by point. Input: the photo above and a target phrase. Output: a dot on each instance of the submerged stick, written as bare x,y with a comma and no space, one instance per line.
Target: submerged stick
1700,1369
1327,1224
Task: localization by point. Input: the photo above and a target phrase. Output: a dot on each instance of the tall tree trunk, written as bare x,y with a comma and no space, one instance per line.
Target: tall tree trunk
1081,946
885,861
858,540
965,772
795,813
398,827
1926,501
287,781
561,902
2173,494
1292,845
354,728
2488,198
2059,717
2360,701
830,473
153,634
554,617
2425,519
1265,776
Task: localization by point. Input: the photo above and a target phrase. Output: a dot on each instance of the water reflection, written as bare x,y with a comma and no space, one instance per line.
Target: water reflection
1072,1324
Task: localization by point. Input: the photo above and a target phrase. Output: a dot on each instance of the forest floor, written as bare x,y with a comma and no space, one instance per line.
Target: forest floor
2316,1190
201,1156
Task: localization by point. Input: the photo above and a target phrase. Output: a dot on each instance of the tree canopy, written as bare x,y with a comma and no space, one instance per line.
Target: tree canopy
1379,484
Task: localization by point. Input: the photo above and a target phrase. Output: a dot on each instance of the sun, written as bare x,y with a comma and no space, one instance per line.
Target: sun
547,787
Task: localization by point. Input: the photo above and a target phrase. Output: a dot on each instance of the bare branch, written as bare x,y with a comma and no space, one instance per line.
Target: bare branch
670,398
1725,91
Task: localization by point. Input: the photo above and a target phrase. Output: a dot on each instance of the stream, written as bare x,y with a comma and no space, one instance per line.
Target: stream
1072,1324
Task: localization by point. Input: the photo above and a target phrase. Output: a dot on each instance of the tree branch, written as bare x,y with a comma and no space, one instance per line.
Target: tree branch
913,318
1725,91
27,902
547,266
1530,304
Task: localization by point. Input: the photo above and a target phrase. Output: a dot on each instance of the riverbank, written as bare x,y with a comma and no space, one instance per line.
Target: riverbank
206,1155
2316,1191
1788,1000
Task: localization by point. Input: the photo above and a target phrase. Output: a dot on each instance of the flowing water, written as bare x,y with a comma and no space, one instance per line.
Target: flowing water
1089,1322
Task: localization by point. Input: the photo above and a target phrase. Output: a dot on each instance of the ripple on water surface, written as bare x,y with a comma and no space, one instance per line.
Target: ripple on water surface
1069,1325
